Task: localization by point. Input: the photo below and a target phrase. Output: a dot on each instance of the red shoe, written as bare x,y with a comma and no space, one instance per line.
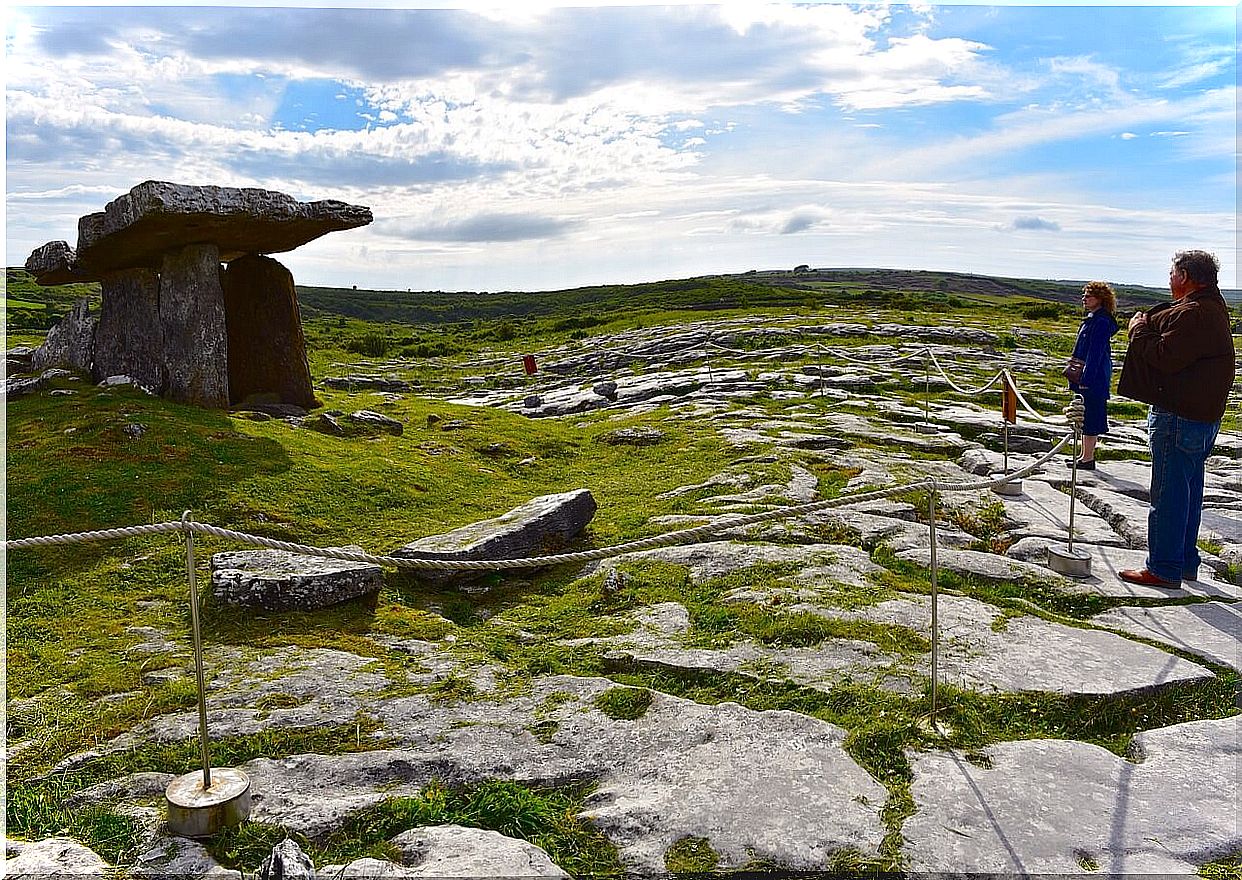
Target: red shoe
1145,578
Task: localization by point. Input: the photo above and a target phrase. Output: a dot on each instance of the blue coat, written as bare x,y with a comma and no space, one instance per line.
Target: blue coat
1094,346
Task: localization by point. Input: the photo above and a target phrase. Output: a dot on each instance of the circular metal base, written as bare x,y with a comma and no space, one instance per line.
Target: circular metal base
194,811
1009,487
935,726
1071,563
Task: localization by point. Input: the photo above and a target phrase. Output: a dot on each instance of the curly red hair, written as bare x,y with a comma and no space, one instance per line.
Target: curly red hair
1103,295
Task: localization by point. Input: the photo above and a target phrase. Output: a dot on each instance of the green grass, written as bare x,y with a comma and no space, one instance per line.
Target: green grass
546,817
35,806
624,704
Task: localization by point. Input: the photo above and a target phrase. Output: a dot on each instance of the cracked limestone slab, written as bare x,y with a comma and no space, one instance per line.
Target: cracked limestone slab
1107,561
871,529
673,772
981,650
53,857
816,563
773,786
1042,511
801,488
1048,806
987,566
298,688
1124,514
656,644
451,851
1208,629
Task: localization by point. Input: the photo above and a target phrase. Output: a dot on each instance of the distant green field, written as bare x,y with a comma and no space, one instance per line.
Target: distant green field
23,304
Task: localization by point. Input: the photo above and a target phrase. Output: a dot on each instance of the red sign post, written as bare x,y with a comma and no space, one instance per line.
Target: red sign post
528,364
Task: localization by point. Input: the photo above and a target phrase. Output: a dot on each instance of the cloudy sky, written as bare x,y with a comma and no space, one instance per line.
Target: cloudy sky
549,148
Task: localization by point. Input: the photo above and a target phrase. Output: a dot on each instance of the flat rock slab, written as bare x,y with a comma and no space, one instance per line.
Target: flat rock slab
986,566
167,857
1125,515
1042,511
53,857
871,529
277,580
680,772
1209,629
541,526
978,650
1048,806
452,851
656,645
671,773
155,217
1107,561
813,564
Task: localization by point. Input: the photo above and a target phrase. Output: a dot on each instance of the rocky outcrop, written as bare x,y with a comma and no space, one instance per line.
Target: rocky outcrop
171,317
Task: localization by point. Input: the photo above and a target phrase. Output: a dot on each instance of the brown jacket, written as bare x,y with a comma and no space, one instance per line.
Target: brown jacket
1182,359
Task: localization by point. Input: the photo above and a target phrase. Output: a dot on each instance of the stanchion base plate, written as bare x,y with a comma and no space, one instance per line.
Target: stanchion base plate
1071,563
194,811
927,429
935,726
1008,488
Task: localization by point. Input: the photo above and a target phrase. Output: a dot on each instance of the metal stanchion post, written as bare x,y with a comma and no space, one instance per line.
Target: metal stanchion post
1009,413
1068,561
935,604
197,638
926,427
199,806
927,390
1073,490
932,724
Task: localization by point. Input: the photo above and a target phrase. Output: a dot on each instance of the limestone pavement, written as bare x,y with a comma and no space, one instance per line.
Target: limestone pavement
778,787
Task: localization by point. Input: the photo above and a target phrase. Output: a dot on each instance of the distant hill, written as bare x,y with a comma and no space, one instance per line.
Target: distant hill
910,290
33,307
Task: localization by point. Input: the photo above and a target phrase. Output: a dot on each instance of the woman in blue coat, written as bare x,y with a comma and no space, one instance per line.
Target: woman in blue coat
1094,348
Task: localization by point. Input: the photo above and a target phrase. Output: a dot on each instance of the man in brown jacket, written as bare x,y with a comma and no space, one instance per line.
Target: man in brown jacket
1181,361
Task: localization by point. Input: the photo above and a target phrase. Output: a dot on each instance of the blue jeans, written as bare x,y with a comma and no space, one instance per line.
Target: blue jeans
1179,448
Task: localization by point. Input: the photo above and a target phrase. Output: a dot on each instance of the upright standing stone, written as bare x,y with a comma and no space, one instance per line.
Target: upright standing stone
128,339
267,351
71,343
195,334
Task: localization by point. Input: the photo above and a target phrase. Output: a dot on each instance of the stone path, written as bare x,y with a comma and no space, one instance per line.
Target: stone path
778,787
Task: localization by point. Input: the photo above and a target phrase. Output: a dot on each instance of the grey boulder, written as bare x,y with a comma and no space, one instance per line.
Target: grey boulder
541,526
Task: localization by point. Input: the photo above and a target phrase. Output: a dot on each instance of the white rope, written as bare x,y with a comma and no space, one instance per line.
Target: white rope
683,536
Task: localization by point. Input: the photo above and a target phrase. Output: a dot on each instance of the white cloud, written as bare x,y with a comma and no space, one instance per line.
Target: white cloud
671,136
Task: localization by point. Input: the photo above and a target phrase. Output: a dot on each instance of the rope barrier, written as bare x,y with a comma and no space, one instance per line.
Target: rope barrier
682,536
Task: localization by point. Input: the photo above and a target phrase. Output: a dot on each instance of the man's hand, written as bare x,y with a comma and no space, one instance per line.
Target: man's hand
1139,320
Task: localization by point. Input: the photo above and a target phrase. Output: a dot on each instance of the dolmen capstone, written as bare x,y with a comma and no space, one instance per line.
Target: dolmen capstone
193,308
